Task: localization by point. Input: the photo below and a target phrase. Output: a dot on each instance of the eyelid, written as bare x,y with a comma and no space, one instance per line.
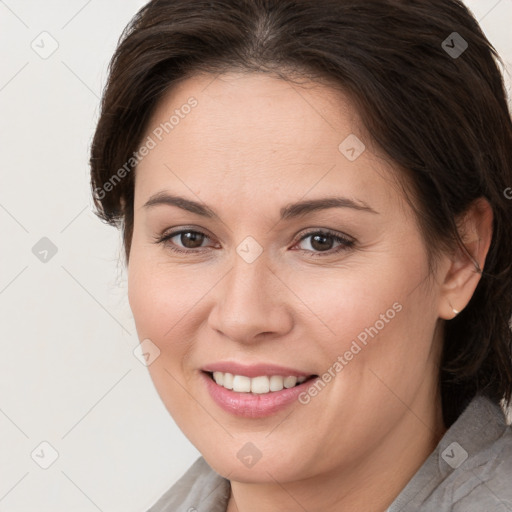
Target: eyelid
326,231
176,231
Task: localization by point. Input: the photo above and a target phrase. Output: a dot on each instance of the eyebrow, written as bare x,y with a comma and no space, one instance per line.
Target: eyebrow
293,210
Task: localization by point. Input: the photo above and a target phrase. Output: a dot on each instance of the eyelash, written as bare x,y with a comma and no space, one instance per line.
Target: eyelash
345,242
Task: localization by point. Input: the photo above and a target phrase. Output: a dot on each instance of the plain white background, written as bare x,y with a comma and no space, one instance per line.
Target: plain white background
68,374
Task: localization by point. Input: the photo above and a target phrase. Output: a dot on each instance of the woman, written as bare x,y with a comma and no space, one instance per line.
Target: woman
319,242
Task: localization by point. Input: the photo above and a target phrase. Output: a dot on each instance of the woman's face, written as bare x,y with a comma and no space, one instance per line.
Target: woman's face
337,290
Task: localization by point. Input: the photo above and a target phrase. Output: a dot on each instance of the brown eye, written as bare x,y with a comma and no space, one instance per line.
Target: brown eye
191,239
183,241
324,242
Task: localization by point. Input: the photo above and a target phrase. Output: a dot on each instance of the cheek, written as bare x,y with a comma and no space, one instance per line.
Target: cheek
378,315
168,303
345,302
162,302
161,296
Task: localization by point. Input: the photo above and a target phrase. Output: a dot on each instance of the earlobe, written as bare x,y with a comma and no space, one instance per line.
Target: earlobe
455,311
467,262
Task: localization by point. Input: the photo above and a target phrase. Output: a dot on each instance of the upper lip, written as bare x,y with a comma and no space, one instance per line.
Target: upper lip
253,370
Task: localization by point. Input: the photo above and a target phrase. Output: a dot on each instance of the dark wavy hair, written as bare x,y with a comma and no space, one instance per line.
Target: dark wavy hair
426,84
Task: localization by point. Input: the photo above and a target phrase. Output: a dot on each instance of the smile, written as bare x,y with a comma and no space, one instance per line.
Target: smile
254,397
258,385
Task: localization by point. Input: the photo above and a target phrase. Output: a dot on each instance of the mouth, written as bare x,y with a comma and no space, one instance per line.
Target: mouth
260,385
255,390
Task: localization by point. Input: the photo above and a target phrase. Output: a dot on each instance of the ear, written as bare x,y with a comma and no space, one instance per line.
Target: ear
464,270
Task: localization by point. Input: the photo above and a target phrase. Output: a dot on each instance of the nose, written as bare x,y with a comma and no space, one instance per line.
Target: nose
251,304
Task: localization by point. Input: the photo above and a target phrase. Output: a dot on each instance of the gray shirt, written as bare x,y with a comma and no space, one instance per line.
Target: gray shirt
470,470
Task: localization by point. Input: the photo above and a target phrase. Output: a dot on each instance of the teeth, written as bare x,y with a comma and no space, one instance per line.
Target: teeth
228,381
289,382
218,377
241,384
259,385
276,383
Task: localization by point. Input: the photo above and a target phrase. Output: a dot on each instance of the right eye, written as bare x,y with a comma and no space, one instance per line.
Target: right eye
188,238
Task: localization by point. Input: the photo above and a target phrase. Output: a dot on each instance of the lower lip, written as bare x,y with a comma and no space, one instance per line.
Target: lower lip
253,405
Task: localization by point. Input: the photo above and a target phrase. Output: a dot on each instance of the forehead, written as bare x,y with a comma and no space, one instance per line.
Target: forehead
249,109
252,133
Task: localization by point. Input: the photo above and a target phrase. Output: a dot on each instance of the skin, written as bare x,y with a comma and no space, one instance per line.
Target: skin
252,145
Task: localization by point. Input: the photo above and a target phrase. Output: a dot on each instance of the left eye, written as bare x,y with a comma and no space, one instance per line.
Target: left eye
323,241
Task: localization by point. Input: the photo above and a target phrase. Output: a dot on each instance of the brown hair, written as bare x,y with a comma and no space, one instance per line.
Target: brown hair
427,87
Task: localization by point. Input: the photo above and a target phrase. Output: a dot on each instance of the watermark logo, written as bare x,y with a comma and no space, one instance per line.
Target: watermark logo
44,250
249,249
147,352
454,45
352,147
44,455
45,45
454,455
249,455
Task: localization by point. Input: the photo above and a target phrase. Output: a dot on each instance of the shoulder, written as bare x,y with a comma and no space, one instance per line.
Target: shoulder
471,468
484,480
199,489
